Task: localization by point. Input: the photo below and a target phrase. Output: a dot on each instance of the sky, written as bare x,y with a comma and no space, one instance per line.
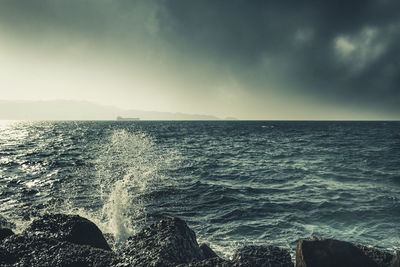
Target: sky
259,59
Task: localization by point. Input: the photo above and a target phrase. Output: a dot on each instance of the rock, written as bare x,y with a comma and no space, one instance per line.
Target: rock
169,242
71,228
330,252
383,259
208,252
250,256
23,250
396,260
212,262
5,232
263,256
110,239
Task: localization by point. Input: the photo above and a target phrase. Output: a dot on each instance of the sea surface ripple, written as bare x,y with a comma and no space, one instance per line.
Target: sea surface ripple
235,182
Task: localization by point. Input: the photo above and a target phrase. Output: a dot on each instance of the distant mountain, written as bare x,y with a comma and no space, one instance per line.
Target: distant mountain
82,110
155,115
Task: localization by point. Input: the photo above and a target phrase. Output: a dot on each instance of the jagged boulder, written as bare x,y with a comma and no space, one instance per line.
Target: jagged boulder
211,262
5,228
211,259
262,256
383,259
250,256
208,252
331,253
169,242
23,250
71,228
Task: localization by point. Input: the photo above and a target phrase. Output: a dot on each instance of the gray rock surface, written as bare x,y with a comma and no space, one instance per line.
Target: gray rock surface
331,253
22,250
250,256
70,240
383,259
208,252
263,256
211,262
71,228
169,242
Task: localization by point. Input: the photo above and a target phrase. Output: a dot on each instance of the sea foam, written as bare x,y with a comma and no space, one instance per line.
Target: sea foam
128,166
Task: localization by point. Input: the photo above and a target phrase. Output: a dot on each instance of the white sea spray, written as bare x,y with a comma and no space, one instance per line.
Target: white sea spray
129,165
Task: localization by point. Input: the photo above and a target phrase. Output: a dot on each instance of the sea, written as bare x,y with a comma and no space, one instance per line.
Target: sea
235,183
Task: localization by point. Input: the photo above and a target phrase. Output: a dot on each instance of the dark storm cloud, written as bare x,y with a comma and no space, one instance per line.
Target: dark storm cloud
336,50
92,20
343,50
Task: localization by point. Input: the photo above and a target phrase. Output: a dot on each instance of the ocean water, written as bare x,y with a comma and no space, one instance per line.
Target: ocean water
236,183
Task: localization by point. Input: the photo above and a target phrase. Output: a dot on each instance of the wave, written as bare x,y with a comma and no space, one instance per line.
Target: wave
129,167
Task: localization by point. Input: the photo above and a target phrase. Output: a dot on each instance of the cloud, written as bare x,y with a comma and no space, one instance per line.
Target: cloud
337,51
362,49
344,47
343,50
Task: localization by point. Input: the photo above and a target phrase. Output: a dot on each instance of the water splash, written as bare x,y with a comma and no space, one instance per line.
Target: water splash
129,165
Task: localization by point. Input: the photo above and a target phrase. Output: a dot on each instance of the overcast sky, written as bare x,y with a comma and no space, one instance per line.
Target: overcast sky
248,59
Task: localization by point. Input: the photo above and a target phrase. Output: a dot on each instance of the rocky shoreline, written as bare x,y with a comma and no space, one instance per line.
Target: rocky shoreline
71,240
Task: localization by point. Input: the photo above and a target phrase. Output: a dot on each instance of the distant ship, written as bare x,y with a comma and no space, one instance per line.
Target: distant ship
119,118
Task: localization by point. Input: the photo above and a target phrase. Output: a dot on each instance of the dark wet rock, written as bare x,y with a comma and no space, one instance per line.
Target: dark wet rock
110,239
250,256
263,256
5,232
169,242
396,260
70,240
22,250
208,252
71,228
331,253
5,228
383,259
212,262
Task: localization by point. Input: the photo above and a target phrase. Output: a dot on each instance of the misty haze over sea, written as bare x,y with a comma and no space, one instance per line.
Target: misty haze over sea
82,110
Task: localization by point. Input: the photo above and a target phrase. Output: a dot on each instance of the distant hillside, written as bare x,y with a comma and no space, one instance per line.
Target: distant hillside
82,110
